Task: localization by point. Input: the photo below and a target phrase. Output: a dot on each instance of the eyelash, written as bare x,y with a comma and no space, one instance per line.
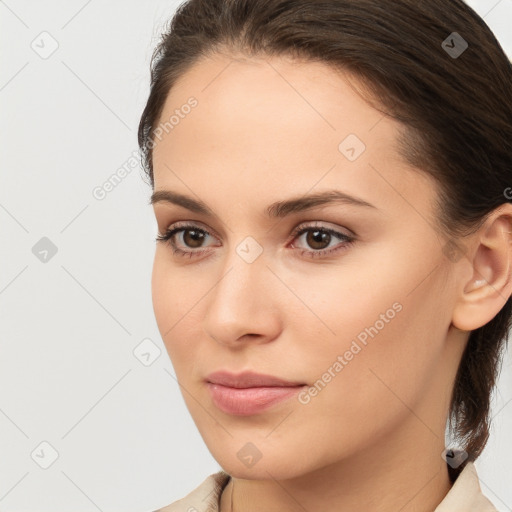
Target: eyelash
346,240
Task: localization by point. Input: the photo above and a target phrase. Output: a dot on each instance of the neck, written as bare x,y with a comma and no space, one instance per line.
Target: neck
407,474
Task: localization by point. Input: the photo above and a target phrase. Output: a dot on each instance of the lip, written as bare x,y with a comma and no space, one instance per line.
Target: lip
249,393
248,379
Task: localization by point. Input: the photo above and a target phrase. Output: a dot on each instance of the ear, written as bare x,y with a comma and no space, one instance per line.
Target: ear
490,261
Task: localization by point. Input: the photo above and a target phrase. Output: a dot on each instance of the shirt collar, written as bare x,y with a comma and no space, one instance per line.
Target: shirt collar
466,494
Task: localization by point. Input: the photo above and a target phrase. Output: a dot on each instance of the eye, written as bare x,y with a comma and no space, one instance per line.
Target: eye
192,237
318,238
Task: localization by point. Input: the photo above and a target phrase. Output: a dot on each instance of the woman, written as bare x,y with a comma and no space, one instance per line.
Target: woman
332,276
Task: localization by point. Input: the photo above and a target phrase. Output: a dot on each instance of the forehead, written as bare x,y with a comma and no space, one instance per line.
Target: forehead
245,103
275,124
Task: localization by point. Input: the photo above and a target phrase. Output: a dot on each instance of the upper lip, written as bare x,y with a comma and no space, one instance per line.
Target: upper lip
248,379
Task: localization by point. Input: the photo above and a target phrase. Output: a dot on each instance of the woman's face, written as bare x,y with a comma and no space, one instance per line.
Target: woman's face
357,308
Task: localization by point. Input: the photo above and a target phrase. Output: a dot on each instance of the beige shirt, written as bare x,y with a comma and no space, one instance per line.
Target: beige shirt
465,495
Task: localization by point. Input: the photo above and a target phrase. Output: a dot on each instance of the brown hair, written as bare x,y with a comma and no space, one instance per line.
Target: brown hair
455,110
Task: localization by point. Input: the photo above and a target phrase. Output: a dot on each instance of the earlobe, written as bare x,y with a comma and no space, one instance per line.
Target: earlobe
490,285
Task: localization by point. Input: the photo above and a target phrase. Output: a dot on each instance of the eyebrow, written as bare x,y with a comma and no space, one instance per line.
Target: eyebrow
278,209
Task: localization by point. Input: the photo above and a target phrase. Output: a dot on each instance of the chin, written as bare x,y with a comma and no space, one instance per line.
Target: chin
275,466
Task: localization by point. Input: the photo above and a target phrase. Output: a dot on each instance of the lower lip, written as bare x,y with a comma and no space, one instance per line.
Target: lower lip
247,401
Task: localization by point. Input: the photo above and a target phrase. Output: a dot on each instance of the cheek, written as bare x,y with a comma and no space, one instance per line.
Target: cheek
177,309
161,291
170,301
369,392
376,346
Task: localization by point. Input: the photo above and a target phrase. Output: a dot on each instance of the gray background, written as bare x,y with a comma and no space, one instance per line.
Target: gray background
70,326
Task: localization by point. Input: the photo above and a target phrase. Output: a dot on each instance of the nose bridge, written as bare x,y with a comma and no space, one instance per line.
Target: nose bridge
240,302
244,275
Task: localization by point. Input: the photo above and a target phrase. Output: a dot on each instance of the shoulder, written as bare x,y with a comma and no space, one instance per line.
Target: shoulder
204,498
466,494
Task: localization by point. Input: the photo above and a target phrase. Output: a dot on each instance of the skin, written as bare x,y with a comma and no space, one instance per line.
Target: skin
264,130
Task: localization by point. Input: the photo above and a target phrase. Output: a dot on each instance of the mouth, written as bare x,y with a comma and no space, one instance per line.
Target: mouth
249,379
249,393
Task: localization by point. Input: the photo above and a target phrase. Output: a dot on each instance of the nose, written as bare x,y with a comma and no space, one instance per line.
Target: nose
242,306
